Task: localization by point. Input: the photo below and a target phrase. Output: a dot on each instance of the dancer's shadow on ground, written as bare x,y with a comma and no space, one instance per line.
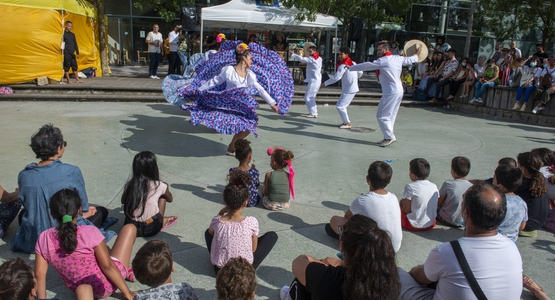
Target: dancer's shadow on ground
545,245
440,233
169,136
303,228
275,276
202,192
335,205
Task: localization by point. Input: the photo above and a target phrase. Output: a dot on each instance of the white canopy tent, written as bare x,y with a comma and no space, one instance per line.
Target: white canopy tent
245,14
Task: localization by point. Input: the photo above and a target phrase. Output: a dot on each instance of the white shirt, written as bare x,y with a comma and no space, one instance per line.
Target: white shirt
229,76
423,197
518,52
479,70
173,38
313,67
384,209
494,261
154,38
390,71
349,80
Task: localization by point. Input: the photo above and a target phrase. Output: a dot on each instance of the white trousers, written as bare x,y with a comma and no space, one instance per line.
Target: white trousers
342,104
310,96
387,113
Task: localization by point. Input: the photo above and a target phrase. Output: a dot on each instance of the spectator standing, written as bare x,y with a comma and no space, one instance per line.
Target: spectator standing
493,259
546,86
175,62
518,52
155,42
211,43
540,53
280,44
498,53
183,50
71,51
441,44
395,48
449,68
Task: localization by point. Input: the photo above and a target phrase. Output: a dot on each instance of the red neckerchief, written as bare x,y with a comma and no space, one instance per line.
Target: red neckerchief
315,55
388,53
346,61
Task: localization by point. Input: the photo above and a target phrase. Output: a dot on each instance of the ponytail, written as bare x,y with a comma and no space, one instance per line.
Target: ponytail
64,207
532,163
538,186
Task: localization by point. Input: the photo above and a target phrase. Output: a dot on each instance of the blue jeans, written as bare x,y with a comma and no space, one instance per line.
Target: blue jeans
527,91
183,57
481,88
154,62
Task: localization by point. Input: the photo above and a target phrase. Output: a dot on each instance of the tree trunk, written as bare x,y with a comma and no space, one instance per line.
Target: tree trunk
102,38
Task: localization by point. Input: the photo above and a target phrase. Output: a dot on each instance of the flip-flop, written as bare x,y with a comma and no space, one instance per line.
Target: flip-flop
170,223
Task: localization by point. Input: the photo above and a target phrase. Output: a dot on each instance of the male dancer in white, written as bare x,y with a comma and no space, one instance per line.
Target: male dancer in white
349,85
389,71
313,77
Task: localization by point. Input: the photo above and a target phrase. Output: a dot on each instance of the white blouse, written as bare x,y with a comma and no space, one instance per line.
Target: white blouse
231,78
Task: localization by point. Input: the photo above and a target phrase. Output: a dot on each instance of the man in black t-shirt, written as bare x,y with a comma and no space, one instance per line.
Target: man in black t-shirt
71,51
210,42
540,53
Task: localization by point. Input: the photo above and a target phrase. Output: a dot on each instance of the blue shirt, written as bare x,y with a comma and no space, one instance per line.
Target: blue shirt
37,184
517,212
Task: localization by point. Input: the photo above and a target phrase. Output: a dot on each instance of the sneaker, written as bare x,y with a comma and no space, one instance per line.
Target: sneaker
517,106
311,116
284,293
472,101
479,100
523,107
156,77
536,109
151,77
388,142
345,126
381,142
433,100
541,108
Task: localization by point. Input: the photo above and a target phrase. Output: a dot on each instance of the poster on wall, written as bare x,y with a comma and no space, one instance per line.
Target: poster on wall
274,3
262,37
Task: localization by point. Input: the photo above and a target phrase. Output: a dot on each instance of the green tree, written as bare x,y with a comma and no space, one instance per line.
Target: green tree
504,18
373,12
168,10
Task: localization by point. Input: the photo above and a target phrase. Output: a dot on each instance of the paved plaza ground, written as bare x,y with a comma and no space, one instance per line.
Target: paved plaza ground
330,167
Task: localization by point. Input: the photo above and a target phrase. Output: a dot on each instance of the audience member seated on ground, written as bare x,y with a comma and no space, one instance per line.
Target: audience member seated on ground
39,181
508,178
17,280
548,171
379,205
491,78
504,161
419,203
470,80
79,254
236,280
153,266
278,184
231,234
493,259
144,197
406,79
9,208
458,78
546,86
533,287
480,66
528,83
533,191
441,45
517,72
422,71
368,272
444,76
451,193
243,153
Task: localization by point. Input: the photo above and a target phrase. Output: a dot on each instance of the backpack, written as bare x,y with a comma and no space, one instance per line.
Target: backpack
547,80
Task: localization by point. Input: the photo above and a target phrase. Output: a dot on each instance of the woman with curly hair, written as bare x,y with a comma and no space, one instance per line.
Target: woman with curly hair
369,271
533,191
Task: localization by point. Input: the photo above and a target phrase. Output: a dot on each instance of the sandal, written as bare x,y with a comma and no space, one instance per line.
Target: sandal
530,285
170,222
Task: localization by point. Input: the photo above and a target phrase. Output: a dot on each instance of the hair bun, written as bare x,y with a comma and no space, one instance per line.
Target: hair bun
241,48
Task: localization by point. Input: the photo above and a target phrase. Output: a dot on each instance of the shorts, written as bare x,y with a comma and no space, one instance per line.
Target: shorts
405,223
271,205
148,228
70,62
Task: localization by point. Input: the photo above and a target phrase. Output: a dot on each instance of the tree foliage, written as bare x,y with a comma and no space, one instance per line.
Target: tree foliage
504,18
167,9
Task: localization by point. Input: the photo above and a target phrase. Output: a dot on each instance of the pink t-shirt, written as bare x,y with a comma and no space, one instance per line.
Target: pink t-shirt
81,266
232,239
151,207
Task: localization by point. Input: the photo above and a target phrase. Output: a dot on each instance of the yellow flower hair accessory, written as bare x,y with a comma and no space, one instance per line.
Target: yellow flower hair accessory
220,37
241,48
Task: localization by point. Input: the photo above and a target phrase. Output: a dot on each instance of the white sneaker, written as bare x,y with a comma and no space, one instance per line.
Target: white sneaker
156,77
479,100
284,293
151,77
345,126
541,108
381,142
388,142
311,116
472,101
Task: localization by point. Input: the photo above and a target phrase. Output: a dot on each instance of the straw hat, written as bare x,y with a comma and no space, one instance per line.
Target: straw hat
411,47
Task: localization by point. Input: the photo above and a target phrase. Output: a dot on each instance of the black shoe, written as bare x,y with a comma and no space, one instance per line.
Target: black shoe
330,231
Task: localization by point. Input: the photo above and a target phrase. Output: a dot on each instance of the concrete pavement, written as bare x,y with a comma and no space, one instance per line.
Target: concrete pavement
330,164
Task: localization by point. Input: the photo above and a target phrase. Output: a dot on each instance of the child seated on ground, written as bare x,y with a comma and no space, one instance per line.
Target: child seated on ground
153,266
379,205
144,197
504,161
9,208
236,280
548,171
451,193
17,281
79,254
278,184
243,153
231,234
419,203
508,178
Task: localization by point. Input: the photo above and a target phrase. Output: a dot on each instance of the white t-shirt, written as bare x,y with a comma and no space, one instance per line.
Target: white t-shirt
384,209
155,38
390,71
173,38
423,197
494,261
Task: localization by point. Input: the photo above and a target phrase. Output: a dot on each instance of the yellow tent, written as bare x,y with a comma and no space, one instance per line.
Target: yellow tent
32,34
